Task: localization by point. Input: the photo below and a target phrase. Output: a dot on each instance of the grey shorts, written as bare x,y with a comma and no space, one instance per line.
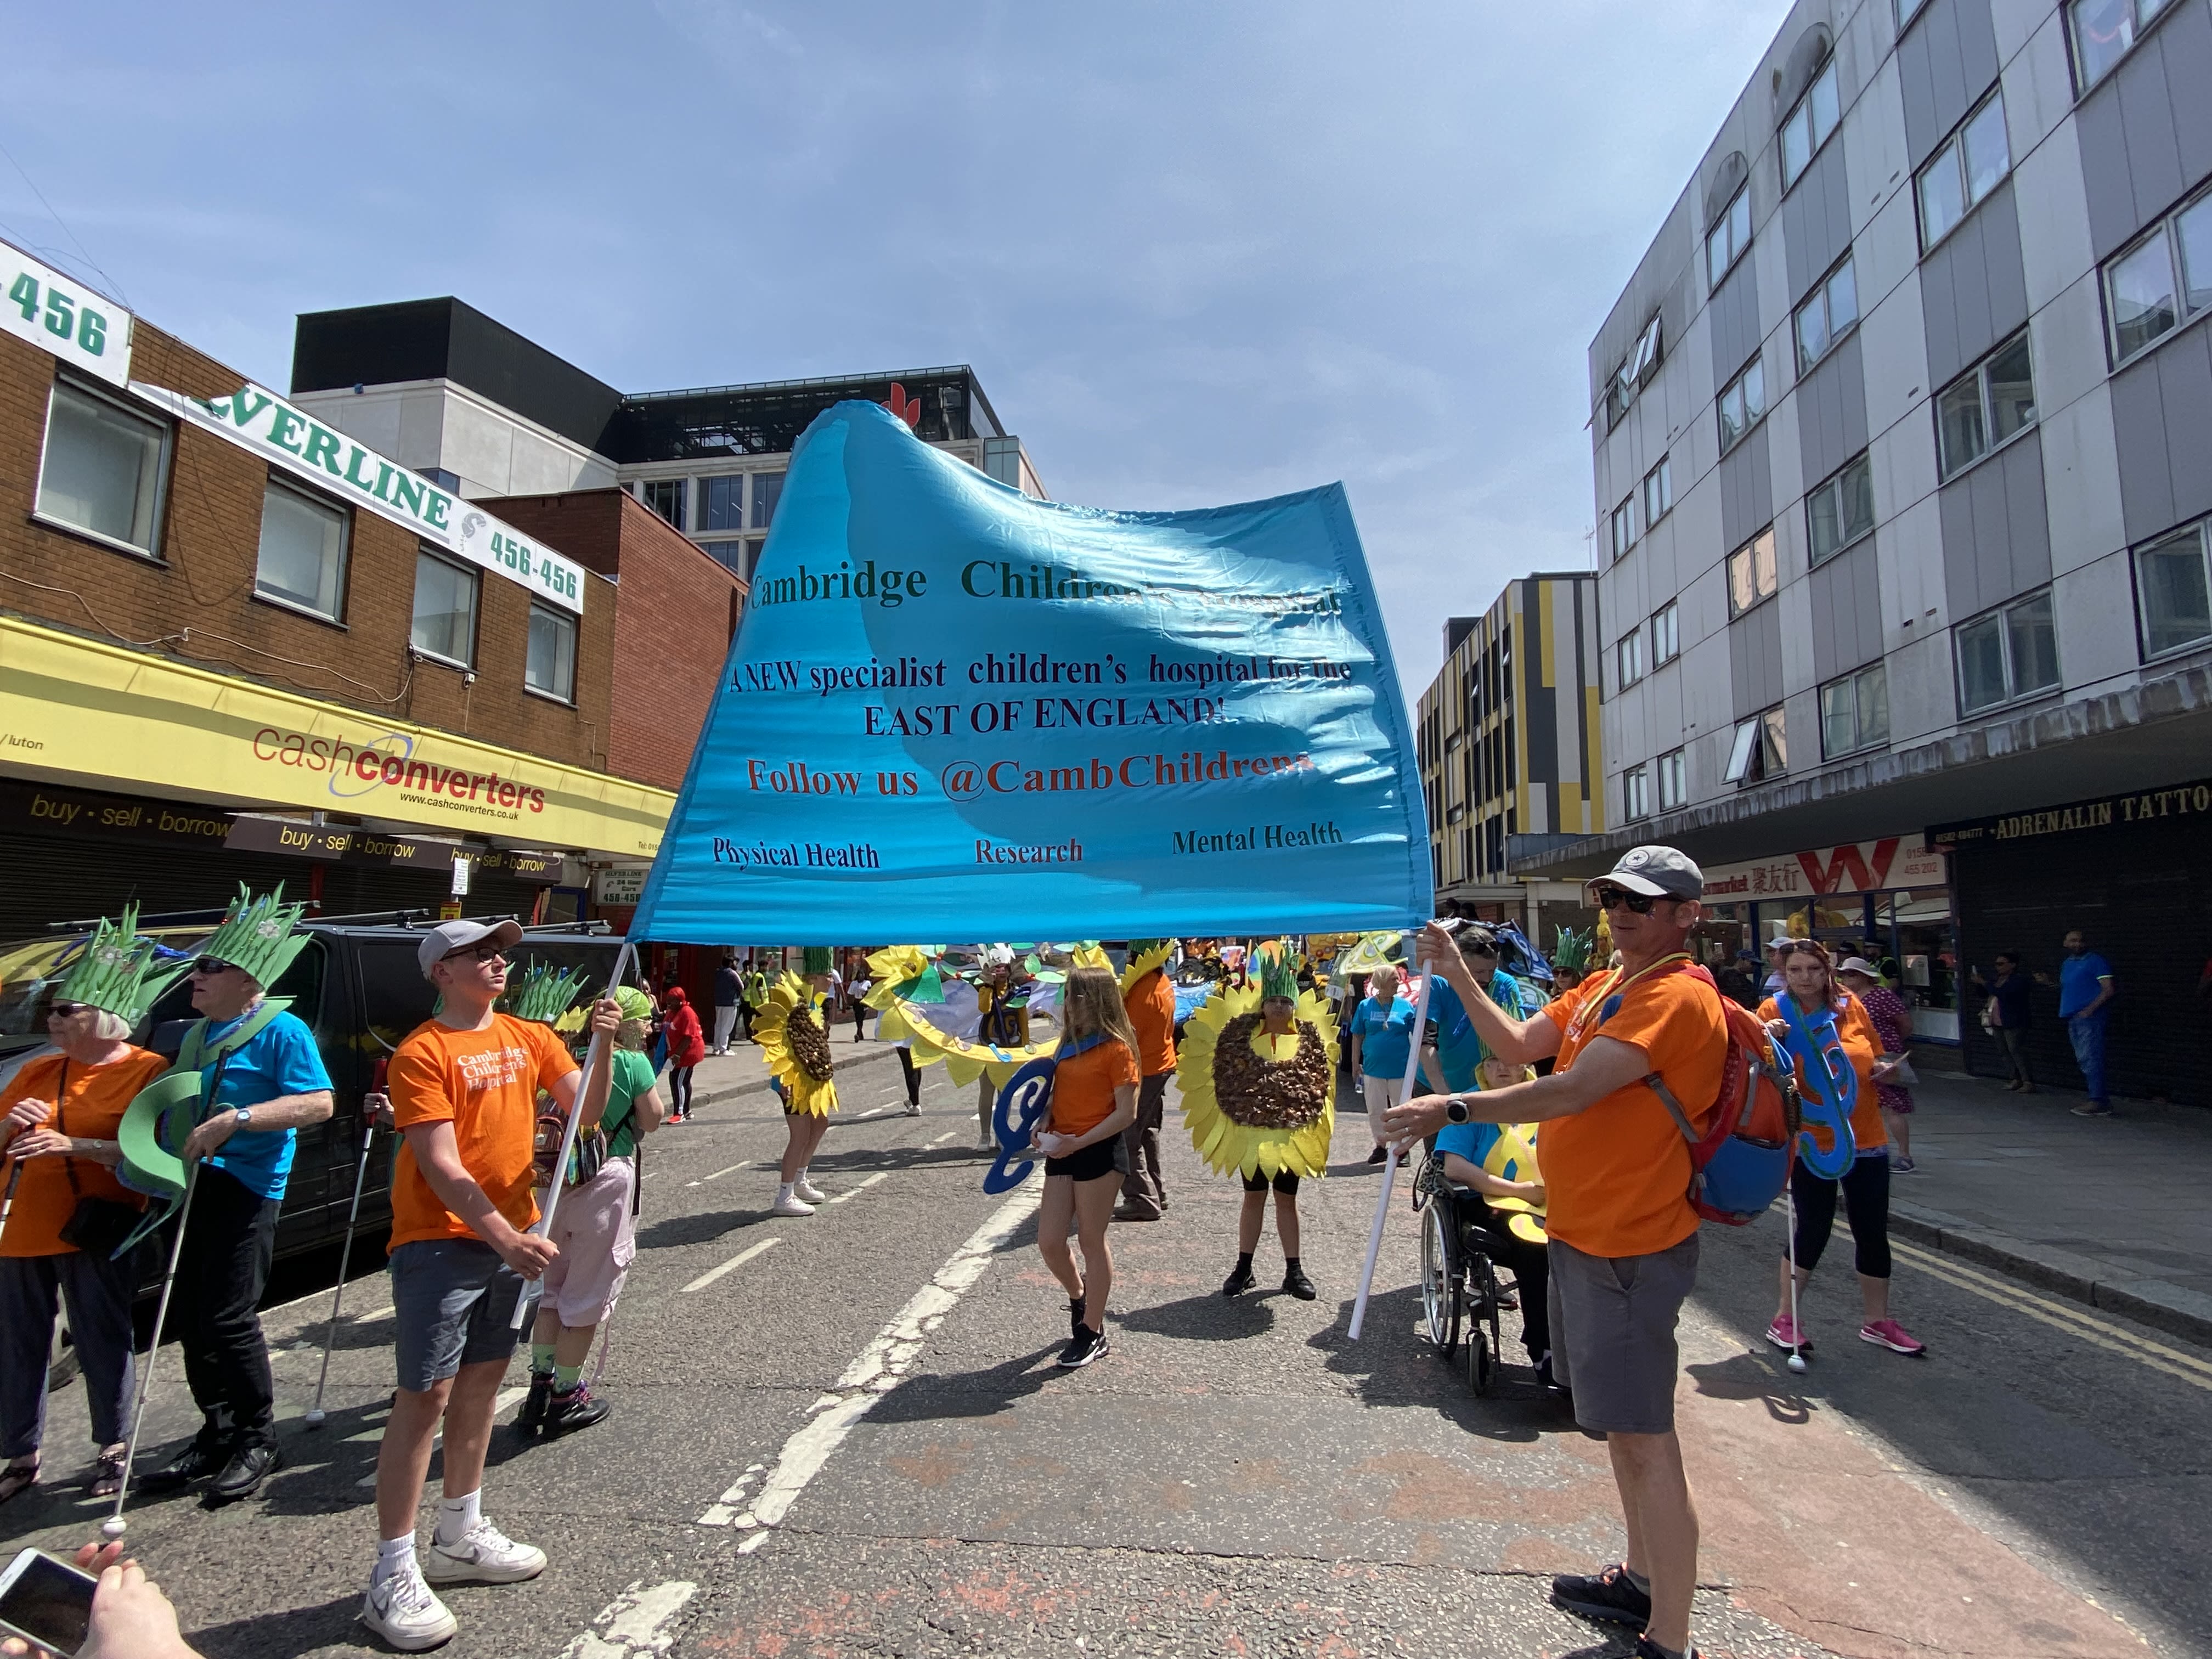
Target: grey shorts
453,1300
1612,1333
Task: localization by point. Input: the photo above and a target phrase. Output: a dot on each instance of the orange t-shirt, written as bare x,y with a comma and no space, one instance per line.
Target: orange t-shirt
91,1109
1151,1006
1617,1174
1083,1087
485,1084
1863,1044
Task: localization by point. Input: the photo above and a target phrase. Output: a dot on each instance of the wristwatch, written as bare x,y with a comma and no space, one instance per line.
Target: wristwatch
1456,1109
245,1117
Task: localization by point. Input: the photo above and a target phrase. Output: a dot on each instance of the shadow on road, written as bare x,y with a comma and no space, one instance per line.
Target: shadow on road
280,1635
986,1393
676,1232
1747,1377
1209,1316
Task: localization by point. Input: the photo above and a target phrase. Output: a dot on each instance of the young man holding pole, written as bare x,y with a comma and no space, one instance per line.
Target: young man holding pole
463,1087
1624,1239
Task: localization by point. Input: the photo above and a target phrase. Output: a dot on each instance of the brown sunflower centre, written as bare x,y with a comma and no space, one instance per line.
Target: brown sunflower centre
810,1045
1269,1094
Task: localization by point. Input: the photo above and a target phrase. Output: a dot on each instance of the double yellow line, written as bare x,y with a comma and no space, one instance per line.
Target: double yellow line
2063,1317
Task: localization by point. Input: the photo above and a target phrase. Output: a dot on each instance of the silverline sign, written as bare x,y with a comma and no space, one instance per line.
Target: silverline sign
42,307
291,439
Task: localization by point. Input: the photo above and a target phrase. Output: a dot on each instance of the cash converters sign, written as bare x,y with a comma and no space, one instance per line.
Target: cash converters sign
300,444
389,762
955,712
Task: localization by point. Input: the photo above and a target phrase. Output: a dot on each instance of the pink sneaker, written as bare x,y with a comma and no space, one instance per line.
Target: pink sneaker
1888,1333
1783,1333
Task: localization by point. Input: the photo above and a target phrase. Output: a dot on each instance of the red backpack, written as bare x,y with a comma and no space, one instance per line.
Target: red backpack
1740,1164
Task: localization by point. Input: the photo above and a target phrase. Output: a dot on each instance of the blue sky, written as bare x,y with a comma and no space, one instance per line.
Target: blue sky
1198,253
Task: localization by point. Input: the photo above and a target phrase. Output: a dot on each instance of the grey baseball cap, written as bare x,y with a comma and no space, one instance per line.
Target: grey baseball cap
448,936
1659,870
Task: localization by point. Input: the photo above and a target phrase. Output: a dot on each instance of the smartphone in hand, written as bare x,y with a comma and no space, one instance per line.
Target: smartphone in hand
47,1601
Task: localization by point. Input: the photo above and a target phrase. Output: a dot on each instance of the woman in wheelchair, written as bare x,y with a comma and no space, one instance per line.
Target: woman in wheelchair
1461,1149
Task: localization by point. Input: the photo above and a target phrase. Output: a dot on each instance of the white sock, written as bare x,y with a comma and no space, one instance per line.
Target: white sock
801,1182
783,1193
393,1555
457,1514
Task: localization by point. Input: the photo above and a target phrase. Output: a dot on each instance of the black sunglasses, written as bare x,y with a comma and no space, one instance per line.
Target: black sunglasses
1606,898
211,966
481,953
63,1010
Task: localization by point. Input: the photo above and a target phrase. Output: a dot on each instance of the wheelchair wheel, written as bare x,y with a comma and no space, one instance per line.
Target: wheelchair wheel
1482,1349
1440,1278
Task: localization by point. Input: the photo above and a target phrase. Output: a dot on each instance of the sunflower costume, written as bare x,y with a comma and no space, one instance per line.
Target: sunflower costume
1251,1110
910,995
795,1040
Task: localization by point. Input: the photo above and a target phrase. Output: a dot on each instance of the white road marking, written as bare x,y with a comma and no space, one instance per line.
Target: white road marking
880,1175
872,1374
384,1312
507,1397
636,1625
946,1136
744,1164
731,1265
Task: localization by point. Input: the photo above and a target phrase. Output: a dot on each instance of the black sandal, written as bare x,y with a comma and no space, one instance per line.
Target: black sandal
107,1477
20,1476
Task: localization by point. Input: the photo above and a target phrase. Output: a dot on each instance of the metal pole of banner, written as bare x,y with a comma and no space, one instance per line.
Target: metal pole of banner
345,1250
600,1053
1390,1164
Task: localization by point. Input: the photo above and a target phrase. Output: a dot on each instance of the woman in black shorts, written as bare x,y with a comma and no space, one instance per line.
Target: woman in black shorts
1094,1098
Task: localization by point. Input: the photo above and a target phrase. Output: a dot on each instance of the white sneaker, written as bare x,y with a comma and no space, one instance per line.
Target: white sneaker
806,1189
406,1613
484,1555
791,1204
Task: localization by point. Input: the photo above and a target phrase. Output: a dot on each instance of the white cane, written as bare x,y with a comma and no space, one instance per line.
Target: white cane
114,1526
1390,1163
1797,1331
597,1056
345,1255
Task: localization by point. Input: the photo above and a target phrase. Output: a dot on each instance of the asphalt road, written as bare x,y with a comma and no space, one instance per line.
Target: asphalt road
852,1440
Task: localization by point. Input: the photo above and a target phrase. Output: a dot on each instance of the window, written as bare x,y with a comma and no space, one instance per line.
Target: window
1728,239
1636,793
1855,712
1742,401
666,497
1666,635
1808,126
1629,653
1623,527
1906,11
2102,31
1673,780
1635,369
444,610
2173,592
1830,312
1658,492
722,503
1840,510
1971,163
2165,277
768,490
449,482
102,468
303,551
551,665
1752,576
1761,749
1991,403
2007,653
731,555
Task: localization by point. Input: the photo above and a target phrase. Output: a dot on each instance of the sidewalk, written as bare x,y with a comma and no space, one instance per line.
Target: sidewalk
2109,1211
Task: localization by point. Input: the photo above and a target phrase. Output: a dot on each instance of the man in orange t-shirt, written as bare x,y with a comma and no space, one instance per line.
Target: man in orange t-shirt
1150,1002
1624,1239
463,1087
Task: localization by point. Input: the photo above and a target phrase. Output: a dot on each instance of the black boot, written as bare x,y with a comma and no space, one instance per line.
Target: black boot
1295,1280
253,1462
1240,1276
531,1418
202,1458
579,1408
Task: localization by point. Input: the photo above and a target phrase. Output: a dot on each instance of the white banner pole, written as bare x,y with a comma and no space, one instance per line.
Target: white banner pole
1390,1164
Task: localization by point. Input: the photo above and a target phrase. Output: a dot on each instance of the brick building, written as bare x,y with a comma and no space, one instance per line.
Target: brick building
236,645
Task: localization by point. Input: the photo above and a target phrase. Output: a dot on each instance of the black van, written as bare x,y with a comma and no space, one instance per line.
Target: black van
359,989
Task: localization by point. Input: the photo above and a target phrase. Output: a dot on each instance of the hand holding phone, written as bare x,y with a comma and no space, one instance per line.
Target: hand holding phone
46,1602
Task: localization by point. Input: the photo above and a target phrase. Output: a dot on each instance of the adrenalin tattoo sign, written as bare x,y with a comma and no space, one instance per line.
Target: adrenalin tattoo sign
955,712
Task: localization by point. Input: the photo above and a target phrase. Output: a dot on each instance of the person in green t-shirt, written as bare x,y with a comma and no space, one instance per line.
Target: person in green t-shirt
594,1226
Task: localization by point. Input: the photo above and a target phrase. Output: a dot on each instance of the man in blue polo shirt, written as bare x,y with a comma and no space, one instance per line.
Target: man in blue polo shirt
262,1081
2085,988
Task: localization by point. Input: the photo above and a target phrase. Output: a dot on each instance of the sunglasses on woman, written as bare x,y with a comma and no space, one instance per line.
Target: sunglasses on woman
209,967
1606,898
65,1009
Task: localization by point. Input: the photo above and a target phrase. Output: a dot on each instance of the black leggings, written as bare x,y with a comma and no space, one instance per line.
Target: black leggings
1286,1182
1866,1202
679,1089
912,1077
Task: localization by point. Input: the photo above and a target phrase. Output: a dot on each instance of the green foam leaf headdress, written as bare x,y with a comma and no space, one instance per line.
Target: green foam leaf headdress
1572,949
545,993
1277,977
814,959
258,935
119,970
633,1002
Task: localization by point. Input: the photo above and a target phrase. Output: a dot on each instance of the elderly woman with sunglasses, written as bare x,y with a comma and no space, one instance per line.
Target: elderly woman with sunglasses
1809,981
66,1213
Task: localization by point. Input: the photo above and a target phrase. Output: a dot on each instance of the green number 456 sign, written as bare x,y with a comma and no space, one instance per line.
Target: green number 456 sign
45,309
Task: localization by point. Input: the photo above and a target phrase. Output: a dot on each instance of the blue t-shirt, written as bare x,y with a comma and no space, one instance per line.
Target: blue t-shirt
2077,981
1459,1050
1386,1037
278,1060
1472,1141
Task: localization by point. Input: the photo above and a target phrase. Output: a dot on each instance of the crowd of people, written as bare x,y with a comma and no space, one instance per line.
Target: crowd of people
1586,1071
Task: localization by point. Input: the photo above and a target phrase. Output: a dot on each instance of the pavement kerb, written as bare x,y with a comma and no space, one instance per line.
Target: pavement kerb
871,1053
2170,1308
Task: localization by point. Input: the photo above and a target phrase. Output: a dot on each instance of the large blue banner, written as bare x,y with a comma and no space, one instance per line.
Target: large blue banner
954,711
